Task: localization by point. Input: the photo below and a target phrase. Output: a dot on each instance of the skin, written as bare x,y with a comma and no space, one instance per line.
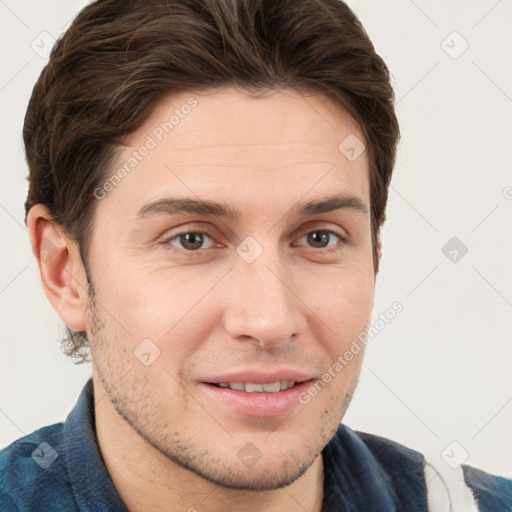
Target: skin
166,444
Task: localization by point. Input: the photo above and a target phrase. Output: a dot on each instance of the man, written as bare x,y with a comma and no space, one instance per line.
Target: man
208,180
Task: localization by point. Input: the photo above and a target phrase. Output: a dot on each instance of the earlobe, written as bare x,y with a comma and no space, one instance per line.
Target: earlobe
60,267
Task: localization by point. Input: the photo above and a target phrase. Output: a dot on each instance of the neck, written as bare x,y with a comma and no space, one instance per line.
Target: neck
146,480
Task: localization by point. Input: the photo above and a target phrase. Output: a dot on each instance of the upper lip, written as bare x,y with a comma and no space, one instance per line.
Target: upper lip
260,377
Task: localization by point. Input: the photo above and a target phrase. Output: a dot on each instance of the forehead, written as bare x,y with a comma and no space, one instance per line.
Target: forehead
228,144
233,117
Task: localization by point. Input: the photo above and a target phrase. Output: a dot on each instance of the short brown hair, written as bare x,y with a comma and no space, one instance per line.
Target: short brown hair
118,59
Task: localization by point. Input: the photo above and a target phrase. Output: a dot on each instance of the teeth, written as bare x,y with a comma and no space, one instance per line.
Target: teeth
273,387
251,387
285,384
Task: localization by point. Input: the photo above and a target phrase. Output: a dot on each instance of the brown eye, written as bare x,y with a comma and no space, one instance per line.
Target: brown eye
190,240
321,239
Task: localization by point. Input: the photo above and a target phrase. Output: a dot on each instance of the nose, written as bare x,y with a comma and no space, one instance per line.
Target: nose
261,303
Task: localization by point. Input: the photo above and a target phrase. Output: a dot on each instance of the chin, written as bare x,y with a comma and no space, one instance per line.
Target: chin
263,478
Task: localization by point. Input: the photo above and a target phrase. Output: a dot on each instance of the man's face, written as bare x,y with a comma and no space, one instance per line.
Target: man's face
270,294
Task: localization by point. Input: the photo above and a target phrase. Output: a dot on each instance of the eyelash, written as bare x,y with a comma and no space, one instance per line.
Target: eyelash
343,240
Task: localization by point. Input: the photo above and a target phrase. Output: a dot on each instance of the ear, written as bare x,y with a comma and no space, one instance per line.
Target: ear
60,266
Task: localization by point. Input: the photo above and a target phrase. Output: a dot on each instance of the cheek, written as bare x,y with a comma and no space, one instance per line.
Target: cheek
145,301
344,302
174,311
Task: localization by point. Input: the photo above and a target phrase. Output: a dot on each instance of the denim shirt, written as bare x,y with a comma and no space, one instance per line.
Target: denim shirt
60,468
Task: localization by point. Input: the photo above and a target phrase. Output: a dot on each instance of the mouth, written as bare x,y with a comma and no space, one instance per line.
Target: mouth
253,387
256,399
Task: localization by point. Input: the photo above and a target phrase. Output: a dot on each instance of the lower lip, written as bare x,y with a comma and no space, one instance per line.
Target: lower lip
257,404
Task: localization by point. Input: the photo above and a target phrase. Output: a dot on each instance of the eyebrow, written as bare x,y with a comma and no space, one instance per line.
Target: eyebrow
171,205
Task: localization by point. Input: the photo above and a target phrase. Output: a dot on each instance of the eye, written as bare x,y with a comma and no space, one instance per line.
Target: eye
190,240
322,238
194,241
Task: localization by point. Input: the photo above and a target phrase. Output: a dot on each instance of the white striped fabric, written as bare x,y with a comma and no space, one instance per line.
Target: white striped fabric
446,489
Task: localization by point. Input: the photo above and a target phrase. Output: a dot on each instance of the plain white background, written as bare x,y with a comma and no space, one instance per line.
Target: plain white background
438,377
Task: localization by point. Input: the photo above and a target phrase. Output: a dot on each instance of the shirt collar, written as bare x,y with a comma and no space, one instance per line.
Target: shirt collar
91,483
